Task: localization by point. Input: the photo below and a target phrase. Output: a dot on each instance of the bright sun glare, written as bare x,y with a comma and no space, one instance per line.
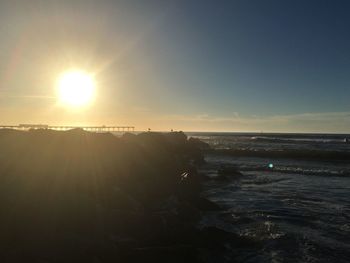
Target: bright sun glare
76,88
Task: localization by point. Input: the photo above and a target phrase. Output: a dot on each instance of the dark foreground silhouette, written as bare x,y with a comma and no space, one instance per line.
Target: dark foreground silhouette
77,196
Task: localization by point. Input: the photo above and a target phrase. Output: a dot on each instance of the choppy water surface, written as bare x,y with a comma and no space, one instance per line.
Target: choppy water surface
299,211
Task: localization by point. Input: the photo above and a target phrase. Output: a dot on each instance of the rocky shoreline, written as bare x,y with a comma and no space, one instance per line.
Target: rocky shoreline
76,196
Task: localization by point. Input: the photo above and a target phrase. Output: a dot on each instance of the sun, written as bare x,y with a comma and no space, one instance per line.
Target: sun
76,88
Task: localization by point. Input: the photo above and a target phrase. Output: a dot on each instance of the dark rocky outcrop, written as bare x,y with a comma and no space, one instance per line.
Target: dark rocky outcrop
197,143
77,196
228,172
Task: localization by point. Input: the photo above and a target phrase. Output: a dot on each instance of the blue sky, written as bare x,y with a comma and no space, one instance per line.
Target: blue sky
188,65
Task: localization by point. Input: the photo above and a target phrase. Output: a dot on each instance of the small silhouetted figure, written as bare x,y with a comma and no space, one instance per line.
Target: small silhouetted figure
149,129
171,130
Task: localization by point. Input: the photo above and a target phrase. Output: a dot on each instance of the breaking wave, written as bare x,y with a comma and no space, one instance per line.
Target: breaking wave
299,140
288,153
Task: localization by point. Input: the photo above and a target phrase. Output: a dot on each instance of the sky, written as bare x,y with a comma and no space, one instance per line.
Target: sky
239,65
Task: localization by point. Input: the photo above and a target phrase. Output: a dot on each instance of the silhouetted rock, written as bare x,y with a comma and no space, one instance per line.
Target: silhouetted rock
77,196
198,143
129,136
206,205
231,171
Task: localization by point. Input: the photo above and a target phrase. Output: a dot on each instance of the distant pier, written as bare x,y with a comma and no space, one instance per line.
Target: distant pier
102,128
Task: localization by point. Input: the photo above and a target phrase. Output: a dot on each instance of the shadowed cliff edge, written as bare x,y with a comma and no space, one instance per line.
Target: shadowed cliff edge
77,196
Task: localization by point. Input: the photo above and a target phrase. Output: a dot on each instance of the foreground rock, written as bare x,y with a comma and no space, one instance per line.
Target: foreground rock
77,196
228,172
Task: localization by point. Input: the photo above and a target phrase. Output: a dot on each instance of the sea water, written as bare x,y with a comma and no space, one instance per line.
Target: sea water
293,198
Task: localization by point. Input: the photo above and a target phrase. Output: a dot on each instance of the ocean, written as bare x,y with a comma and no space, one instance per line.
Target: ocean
293,198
